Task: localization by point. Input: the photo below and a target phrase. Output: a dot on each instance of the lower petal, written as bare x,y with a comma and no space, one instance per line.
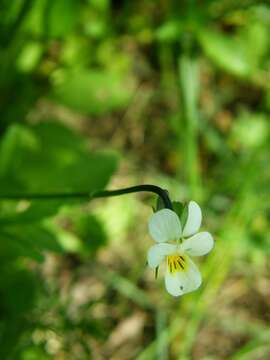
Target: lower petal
183,281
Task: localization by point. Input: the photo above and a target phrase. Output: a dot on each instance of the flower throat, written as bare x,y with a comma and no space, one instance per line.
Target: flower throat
176,263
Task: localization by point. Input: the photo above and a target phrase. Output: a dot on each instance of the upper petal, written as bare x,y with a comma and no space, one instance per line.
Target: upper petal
185,281
194,219
157,252
164,226
199,244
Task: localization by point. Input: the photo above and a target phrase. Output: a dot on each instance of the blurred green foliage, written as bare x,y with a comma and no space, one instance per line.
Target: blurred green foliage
179,86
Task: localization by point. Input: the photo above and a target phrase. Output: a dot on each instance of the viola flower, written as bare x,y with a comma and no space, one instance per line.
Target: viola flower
175,246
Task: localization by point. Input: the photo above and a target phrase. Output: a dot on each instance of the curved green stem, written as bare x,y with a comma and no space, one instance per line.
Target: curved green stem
94,195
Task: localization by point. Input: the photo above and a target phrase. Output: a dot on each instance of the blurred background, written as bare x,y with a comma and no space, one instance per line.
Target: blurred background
106,94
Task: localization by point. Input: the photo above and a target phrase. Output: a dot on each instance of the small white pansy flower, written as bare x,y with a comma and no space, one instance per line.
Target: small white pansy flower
176,245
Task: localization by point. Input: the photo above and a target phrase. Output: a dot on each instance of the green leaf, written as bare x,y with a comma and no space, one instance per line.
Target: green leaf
34,352
255,33
16,138
18,293
178,207
94,91
62,16
27,241
41,238
225,51
91,232
169,31
13,246
250,131
18,286
51,158
182,211
29,57
184,216
30,213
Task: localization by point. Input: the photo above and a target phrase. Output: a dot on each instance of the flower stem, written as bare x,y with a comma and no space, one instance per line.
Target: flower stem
94,195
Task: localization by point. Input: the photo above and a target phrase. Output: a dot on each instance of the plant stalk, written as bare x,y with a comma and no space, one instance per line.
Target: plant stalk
94,195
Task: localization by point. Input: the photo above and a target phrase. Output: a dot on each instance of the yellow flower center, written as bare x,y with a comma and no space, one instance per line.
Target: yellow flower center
176,263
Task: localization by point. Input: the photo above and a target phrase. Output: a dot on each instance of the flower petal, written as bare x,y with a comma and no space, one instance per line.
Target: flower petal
165,226
182,282
194,219
199,244
157,252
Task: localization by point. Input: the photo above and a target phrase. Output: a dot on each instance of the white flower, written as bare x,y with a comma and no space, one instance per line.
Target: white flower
182,275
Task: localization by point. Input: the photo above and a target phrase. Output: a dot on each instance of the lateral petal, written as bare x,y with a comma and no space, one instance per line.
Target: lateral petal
157,253
199,244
